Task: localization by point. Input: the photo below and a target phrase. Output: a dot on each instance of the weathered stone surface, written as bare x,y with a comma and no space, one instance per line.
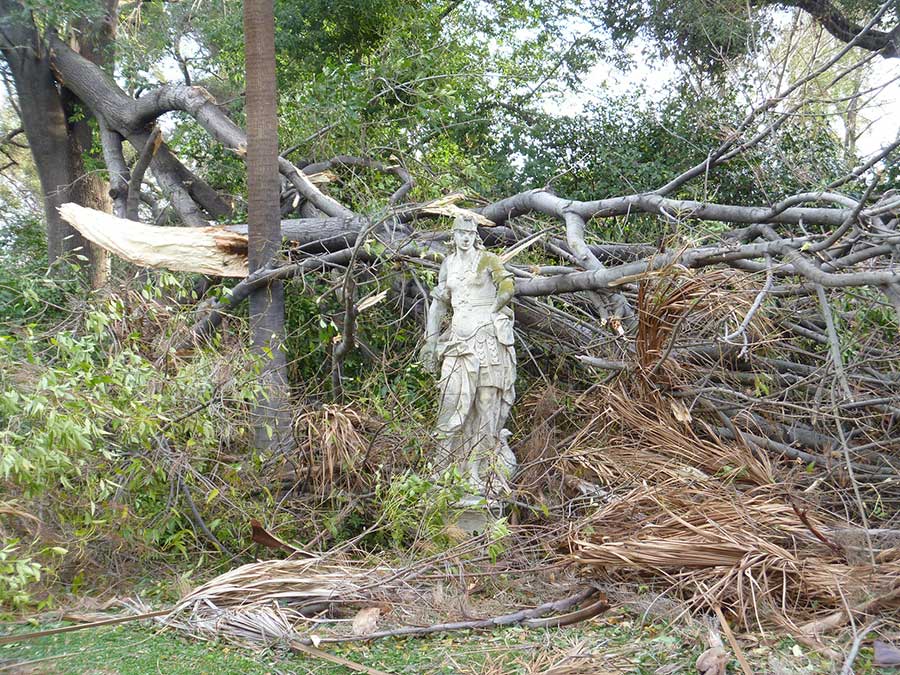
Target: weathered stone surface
476,360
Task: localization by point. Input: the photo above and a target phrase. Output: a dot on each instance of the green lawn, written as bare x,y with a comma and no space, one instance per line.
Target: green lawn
618,643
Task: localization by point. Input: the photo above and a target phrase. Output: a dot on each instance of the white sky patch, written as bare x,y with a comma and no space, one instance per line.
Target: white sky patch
883,111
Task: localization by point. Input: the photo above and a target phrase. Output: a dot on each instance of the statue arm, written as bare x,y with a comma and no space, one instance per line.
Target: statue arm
440,296
503,280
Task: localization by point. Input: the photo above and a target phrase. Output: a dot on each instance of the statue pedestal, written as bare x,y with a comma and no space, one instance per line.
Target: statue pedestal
475,515
474,521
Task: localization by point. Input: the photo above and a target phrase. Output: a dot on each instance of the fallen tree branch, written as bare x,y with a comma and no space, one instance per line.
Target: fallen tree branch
24,637
526,617
198,519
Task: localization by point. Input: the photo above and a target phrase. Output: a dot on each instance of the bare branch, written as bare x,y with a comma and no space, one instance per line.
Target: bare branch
9,138
887,43
111,142
137,173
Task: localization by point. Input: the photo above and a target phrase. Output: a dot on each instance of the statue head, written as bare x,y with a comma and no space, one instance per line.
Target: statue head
465,233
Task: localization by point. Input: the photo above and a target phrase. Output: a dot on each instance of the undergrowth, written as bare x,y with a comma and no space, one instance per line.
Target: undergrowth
120,454
110,442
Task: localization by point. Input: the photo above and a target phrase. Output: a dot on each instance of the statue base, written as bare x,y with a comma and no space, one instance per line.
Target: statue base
474,515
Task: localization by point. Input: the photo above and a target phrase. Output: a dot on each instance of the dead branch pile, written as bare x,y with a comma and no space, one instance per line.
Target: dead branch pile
714,522
744,453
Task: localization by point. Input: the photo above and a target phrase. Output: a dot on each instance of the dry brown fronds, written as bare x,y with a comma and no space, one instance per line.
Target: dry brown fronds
280,600
536,452
705,519
664,303
676,301
306,601
332,447
629,439
748,552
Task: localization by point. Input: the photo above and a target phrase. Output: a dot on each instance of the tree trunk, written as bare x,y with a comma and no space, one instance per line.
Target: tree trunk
264,217
57,142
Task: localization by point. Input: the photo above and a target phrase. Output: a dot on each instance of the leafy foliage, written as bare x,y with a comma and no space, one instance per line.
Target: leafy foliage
16,575
107,433
108,438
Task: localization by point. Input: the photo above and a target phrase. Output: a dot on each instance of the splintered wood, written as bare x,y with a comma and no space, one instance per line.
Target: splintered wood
204,250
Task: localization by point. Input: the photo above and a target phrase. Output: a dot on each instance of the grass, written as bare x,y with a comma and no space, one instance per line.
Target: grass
620,643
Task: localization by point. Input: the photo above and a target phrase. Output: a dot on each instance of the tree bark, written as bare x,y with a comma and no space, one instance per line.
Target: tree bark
58,138
272,425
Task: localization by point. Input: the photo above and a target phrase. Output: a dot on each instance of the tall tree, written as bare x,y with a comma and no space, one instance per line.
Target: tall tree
264,219
58,128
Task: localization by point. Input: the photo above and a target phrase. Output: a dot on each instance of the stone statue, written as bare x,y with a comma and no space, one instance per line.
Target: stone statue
476,360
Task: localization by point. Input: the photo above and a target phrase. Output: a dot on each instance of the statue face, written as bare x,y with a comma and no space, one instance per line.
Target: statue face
464,239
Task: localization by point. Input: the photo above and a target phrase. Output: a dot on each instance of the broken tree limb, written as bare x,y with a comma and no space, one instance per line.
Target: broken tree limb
543,201
207,250
208,324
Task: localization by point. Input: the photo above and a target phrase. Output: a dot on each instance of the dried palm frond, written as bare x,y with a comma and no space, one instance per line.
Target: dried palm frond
676,300
446,206
285,601
332,446
279,600
746,551
704,518
630,439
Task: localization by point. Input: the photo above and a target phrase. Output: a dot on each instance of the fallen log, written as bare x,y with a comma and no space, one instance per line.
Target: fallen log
533,618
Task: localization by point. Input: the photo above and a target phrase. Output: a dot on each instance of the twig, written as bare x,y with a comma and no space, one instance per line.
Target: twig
198,519
854,649
26,666
309,139
834,342
348,334
855,483
818,535
10,135
757,303
571,618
